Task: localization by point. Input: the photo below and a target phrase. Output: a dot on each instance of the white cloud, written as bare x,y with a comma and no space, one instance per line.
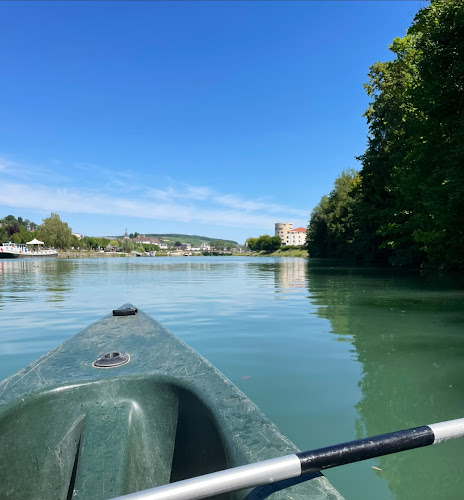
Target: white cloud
7,165
31,173
183,192
187,204
120,193
236,202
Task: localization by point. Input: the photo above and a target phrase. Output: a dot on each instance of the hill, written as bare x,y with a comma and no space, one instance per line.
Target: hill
193,239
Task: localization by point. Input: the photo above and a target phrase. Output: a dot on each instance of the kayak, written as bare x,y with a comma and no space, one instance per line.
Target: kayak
126,406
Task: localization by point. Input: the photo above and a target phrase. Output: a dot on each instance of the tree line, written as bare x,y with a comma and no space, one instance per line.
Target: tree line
53,231
405,206
57,234
264,243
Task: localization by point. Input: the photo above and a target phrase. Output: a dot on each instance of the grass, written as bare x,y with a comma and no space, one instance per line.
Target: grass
289,253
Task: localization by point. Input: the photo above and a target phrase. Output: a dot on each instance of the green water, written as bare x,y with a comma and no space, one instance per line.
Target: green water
329,353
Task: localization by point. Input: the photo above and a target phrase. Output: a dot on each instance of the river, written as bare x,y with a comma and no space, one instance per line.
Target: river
329,353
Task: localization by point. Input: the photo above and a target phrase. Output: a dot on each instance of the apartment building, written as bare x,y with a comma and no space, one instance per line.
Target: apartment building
290,236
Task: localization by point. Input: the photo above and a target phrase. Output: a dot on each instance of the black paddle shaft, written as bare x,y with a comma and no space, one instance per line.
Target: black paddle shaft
363,449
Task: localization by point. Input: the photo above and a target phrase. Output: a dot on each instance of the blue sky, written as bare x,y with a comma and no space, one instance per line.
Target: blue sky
216,118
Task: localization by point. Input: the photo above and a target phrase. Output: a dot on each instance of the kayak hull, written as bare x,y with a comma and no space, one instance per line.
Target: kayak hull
71,430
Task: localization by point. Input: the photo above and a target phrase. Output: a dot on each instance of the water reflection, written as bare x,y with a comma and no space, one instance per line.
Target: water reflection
20,279
400,363
407,332
290,274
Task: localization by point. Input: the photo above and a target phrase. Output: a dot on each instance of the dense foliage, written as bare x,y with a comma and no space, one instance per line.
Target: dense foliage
16,229
331,228
55,233
406,206
264,243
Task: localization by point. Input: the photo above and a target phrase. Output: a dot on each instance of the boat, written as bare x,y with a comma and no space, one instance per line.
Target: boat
32,248
126,410
125,406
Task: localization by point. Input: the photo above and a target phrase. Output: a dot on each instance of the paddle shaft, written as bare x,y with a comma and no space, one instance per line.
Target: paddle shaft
289,466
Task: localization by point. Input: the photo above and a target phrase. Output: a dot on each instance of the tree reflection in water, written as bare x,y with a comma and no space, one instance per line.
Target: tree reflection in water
28,275
407,332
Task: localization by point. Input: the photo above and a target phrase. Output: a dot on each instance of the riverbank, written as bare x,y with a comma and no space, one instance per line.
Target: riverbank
280,253
82,254
290,253
88,254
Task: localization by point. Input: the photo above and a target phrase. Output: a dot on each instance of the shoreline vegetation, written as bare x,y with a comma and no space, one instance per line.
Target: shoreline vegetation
405,207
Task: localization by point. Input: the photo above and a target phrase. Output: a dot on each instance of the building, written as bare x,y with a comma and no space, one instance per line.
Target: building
145,240
281,229
296,236
290,236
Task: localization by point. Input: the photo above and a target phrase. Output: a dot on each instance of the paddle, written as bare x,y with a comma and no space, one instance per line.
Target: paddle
306,462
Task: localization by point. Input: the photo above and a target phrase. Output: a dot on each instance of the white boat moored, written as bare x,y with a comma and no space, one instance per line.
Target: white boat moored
32,248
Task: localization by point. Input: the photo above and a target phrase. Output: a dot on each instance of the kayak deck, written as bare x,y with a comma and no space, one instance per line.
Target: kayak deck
71,430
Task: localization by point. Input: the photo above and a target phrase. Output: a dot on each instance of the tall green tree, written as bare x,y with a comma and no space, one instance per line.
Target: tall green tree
55,233
332,229
317,235
127,245
411,206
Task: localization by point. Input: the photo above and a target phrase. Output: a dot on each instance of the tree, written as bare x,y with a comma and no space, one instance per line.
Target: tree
271,244
75,242
16,238
127,246
251,244
407,207
332,227
317,236
55,233
264,243
16,229
12,228
217,244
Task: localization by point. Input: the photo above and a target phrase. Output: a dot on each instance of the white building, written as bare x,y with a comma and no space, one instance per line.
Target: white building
290,236
296,236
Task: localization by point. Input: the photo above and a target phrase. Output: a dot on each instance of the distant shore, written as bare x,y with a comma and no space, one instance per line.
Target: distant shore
92,254
81,254
89,254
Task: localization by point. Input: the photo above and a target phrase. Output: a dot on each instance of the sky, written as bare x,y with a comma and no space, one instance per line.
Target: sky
214,118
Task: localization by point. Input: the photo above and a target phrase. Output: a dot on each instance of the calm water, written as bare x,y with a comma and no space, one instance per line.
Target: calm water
329,353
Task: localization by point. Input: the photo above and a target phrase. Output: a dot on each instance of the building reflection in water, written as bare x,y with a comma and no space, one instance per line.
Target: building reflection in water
290,273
